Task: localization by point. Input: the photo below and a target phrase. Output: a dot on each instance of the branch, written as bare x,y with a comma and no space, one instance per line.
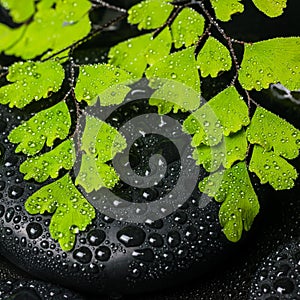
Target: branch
213,22
91,35
100,3
168,22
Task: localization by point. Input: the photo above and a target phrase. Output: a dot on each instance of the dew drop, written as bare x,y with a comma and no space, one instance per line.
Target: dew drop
103,253
146,255
34,230
96,237
83,255
131,236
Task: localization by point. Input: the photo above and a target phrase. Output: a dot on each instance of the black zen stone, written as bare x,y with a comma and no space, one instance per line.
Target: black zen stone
114,257
35,290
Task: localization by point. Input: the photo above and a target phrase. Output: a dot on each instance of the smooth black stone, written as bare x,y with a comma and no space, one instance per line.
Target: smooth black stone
279,274
233,279
35,290
101,260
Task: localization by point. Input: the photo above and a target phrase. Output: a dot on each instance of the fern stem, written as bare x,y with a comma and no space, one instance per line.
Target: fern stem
91,35
100,3
169,21
214,23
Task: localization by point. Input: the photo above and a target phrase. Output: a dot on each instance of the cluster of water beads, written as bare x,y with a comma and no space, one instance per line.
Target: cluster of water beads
278,276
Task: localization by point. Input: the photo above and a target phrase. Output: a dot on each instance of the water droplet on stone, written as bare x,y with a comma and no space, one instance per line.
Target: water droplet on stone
146,255
34,230
131,236
103,253
83,255
95,237
155,240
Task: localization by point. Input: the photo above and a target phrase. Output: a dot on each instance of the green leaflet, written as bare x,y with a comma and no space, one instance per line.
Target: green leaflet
213,58
224,9
187,27
9,36
271,61
94,175
177,80
270,7
63,25
134,54
179,66
44,128
100,142
31,81
274,133
227,152
46,165
210,122
272,168
150,14
105,82
240,204
20,10
174,95
71,211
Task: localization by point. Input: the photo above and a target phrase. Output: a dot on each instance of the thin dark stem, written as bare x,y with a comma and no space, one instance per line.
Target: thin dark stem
239,42
100,3
226,37
168,22
4,70
250,100
3,74
71,91
91,35
205,33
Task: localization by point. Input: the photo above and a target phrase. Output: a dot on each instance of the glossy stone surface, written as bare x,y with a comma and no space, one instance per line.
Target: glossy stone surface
34,290
278,276
113,257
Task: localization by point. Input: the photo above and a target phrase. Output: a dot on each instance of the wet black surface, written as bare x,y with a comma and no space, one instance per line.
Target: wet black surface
278,277
158,255
35,290
113,257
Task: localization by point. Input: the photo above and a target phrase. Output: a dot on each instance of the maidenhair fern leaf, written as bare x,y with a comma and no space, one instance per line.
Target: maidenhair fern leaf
270,7
176,77
174,95
224,9
46,165
272,168
271,61
44,128
71,211
187,28
231,149
179,66
210,122
94,175
9,36
230,103
274,133
240,204
31,81
62,22
100,142
20,10
213,58
134,54
105,82
150,14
